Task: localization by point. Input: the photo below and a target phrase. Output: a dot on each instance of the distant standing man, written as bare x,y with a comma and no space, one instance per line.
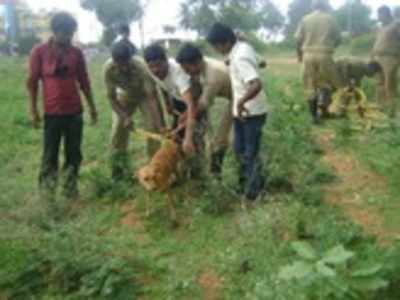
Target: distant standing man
61,69
249,107
317,37
124,34
214,81
129,87
386,52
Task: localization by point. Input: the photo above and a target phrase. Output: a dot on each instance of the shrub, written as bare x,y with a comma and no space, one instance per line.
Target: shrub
26,43
362,44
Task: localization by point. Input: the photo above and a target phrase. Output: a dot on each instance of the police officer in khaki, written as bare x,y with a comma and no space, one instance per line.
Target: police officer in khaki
317,37
386,52
130,86
211,77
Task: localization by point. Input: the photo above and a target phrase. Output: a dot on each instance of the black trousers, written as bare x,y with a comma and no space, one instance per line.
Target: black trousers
248,136
58,129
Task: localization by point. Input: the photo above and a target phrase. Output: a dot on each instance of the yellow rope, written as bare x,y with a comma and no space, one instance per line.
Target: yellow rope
164,140
371,118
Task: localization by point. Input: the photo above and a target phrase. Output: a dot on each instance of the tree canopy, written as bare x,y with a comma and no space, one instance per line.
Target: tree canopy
109,14
355,16
246,15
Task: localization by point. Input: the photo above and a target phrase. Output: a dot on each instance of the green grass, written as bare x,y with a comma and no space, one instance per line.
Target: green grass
92,256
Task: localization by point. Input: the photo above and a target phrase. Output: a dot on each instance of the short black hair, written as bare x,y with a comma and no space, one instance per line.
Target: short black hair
189,54
63,22
121,51
384,9
221,34
124,28
155,52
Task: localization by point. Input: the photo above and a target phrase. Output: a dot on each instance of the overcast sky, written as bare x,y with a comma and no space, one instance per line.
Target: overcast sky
159,12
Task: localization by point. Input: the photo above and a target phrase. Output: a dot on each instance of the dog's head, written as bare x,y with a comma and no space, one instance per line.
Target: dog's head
147,177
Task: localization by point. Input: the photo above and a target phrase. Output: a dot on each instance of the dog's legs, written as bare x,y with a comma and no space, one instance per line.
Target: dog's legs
171,207
243,204
147,204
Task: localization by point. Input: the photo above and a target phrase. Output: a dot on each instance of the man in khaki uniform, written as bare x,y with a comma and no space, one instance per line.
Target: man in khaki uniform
210,79
386,52
317,37
130,86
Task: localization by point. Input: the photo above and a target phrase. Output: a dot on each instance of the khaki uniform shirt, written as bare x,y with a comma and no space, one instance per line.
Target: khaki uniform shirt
215,81
318,32
388,40
135,85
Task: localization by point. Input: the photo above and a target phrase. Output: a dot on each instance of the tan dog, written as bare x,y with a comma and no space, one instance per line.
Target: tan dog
161,172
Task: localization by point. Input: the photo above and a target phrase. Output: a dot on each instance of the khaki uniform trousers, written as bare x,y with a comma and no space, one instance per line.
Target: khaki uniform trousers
387,82
319,71
151,116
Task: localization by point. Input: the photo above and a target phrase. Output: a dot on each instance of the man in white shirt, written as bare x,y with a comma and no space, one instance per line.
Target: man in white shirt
214,81
171,79
249,106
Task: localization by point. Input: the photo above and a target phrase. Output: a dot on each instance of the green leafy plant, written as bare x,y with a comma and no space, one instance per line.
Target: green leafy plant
331,274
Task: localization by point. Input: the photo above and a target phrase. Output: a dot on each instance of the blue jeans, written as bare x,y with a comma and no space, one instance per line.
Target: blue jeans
247,142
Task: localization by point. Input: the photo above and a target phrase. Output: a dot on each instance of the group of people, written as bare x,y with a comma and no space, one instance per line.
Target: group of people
175,95
318,35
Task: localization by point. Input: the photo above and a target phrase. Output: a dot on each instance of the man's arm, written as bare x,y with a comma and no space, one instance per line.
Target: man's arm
249,74
299,49
112,98
254,87
84,81
154,105
32,84
299,36
188,142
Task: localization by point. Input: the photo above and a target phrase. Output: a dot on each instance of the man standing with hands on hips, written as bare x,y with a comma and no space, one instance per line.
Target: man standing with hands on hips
249,107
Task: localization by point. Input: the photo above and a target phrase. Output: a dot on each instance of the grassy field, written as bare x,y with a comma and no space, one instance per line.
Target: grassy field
327,229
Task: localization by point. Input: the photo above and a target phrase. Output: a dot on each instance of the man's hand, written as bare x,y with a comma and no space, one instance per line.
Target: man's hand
188,147
242,110
35,118
93,116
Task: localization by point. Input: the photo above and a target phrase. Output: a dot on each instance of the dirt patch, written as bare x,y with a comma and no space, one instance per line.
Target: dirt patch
283,61
211,284
131,219
351,189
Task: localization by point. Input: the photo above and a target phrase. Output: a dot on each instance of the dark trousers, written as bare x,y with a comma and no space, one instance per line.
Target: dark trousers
247,141
69,129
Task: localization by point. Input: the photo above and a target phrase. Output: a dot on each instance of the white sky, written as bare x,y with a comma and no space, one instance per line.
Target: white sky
159,13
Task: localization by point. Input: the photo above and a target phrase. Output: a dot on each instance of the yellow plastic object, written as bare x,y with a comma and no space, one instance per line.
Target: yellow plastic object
353,103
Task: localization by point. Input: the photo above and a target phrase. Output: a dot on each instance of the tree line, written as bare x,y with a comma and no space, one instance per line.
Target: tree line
262,16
